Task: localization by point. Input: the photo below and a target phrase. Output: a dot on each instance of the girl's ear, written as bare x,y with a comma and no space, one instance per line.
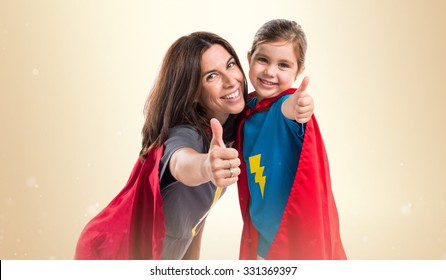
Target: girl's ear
249,57
299,72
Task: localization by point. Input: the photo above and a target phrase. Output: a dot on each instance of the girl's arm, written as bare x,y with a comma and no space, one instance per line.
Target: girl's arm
300,105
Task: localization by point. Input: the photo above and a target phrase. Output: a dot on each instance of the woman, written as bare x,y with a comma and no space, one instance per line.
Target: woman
184,163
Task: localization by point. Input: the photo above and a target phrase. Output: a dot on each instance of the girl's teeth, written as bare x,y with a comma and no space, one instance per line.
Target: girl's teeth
267,83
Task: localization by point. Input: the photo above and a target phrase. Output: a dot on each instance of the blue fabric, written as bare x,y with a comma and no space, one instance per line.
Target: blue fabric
271,143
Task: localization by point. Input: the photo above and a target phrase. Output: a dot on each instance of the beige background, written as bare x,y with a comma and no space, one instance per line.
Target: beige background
74,76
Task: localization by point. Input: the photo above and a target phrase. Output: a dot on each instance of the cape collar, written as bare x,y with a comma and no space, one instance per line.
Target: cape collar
265,103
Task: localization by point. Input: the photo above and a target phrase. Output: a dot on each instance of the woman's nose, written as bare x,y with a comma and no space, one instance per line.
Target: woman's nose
229,80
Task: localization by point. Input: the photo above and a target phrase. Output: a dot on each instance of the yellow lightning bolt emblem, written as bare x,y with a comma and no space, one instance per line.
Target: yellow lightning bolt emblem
254,164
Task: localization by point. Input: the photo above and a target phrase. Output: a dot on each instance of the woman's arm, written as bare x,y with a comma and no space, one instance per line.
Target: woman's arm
193,168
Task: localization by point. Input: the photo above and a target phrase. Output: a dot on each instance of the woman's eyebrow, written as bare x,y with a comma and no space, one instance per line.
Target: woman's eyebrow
213,70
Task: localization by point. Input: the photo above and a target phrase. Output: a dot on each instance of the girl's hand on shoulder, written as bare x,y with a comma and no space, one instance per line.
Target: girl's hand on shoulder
300,105
304,103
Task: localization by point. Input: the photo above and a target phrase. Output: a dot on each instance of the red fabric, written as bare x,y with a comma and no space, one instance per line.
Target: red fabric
263,105
132,225
310,225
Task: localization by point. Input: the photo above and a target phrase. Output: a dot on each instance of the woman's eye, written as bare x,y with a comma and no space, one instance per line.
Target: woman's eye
231,64
211,77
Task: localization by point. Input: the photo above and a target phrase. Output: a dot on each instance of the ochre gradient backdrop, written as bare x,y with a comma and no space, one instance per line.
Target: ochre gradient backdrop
74,76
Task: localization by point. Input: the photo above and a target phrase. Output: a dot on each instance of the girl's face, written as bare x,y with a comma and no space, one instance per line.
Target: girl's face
222,83
272,68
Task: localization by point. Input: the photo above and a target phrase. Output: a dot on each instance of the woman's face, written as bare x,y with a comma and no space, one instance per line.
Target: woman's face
222,83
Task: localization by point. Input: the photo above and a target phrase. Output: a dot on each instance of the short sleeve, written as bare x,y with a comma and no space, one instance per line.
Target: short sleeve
179,137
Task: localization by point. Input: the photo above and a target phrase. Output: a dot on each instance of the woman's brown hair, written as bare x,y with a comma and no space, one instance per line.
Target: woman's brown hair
174,97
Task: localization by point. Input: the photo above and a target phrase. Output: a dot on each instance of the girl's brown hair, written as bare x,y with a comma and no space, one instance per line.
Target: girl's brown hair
283,30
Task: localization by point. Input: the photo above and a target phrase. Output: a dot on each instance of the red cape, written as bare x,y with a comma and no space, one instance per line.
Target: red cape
309,229
132,225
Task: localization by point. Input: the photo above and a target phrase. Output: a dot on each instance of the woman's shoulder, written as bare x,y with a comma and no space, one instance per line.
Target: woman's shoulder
184,131
183,128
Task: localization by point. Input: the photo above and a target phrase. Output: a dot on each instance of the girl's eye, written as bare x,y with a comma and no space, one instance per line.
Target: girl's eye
284,65
262,60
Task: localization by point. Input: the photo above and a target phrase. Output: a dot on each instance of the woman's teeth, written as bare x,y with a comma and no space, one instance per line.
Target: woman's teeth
232,95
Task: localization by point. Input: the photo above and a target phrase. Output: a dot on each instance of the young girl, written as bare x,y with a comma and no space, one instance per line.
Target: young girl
284,186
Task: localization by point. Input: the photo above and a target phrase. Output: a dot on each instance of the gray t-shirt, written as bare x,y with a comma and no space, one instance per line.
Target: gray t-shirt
185,208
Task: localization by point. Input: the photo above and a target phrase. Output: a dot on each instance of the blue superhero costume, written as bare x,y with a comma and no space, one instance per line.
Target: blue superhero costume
270,139
309,225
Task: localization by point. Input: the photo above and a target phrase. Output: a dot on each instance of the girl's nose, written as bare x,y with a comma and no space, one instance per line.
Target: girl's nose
269,71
